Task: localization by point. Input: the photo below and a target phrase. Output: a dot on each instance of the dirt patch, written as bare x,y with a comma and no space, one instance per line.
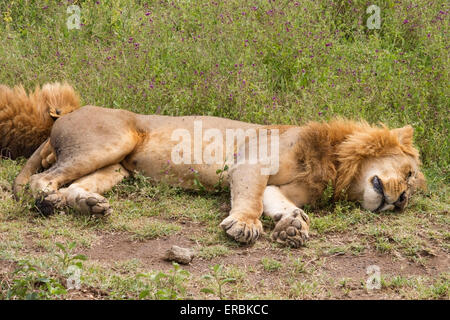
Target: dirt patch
86,293
7,266
118,247
348,266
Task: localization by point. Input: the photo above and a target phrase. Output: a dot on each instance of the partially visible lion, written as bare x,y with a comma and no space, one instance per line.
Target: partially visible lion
26,119
95,148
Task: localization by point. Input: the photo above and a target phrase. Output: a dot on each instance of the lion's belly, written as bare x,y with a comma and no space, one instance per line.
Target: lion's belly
154,159
212,146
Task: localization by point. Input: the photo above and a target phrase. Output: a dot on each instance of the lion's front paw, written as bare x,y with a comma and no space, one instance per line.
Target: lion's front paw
242,229
292,229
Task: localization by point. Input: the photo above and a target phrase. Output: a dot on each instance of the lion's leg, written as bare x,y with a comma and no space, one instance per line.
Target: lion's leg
84,194
48,156
72,165
33,165
292,223
247,187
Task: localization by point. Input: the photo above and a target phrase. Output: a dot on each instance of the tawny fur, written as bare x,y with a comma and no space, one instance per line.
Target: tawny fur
26,119
324,153
94,148
333,152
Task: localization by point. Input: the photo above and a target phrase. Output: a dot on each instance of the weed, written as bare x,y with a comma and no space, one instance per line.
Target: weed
165,286
66,258
30,283
271,265
213,252
218,279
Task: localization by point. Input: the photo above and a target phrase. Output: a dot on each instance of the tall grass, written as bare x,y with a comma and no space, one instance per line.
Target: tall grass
260,61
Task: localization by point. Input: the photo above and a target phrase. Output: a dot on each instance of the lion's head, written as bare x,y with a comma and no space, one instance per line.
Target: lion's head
379,167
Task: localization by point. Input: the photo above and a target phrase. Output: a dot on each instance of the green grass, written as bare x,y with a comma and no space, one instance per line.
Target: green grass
271,265
282,62
212,252
408,286
265,62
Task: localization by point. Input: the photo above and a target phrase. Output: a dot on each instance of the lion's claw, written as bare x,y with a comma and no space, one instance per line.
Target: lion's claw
292,229
240,230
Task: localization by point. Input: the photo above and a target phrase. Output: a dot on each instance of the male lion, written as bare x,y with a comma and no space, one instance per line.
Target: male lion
96,148
26,119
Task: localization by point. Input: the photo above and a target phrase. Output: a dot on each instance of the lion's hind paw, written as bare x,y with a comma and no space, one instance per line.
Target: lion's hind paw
94,204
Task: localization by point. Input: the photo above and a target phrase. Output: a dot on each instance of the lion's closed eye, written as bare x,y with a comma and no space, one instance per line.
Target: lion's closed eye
409,175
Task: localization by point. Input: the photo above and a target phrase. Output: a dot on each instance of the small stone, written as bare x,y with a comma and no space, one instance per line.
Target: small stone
180,255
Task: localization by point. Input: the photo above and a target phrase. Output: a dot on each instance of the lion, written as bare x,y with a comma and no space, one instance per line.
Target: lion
26,119
93,148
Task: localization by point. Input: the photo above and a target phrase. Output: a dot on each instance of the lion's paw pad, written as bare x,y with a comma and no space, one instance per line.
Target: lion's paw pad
292,229
94,205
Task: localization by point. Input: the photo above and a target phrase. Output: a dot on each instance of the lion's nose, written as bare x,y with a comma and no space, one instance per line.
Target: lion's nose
401,201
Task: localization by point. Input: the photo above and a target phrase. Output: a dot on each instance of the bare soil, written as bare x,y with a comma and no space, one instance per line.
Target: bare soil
113,248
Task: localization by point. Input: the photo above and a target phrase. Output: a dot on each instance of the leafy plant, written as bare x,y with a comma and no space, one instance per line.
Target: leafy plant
218,279
165,286
218,187
30,283
67,258
196,181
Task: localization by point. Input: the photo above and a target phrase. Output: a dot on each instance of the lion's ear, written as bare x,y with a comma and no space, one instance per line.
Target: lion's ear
405,134
54,112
